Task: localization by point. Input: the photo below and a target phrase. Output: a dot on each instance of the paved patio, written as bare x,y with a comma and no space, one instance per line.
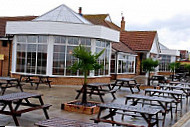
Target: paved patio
64,93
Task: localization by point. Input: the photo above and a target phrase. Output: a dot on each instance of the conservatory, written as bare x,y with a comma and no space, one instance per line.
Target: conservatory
44,45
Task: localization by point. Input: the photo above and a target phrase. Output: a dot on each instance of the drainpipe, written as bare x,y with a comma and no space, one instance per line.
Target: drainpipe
9,56
116,60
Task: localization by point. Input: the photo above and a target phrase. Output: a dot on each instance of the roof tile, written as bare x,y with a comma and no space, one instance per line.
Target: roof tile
3,21
138,40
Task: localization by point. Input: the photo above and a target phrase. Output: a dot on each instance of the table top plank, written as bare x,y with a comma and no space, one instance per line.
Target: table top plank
151,111
164,91
125,79
8,79
17,96
151,98
62,122
175,87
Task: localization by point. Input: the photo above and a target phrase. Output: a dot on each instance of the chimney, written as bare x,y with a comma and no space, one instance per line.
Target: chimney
122,24
80,11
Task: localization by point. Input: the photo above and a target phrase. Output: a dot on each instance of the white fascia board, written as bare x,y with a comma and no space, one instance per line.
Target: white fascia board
62,28
170,52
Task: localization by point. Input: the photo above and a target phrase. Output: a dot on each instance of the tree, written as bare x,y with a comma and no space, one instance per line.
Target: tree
148,66
86,62
173,66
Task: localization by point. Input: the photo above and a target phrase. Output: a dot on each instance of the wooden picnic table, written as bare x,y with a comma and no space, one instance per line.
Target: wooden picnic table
164,103
35,79
18,99
178,87
126,82
176,95
8,82
159,78
146,113
62,122
99,89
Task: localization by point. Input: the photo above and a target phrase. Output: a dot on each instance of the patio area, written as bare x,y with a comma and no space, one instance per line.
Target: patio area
59,94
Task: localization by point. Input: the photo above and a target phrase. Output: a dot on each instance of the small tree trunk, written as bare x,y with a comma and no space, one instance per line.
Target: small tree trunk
148,78
173,76
84,96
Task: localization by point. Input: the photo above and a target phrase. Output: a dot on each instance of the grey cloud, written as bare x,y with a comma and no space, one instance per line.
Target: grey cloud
176,23
171,31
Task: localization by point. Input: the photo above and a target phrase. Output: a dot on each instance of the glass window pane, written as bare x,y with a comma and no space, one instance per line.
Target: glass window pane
32,39
21,47
73,40
42,39
42,48
59,48
31,48
59,60
60,39
98,43
21,38
85,41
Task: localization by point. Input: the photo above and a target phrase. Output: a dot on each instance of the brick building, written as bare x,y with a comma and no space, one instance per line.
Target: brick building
45,44
123,59
6,44
184,55
143,44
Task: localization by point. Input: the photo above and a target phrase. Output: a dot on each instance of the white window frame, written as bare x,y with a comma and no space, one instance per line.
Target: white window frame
126,54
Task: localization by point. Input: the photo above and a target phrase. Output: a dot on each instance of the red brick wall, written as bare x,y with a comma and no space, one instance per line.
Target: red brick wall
115,76
164,73
73,80
5,51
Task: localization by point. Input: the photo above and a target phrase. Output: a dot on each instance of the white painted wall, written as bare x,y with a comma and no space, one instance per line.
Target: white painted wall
62,28
155,46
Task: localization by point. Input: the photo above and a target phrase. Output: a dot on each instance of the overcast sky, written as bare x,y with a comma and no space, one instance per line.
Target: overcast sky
171,18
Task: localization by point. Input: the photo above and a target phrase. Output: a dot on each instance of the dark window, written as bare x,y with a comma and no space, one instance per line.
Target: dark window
4,44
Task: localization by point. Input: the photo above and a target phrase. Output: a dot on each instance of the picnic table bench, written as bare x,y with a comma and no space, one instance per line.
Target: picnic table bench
159,78
161,101
176,95
186,90
97,89
7,82
174,83
62,122
21,98
36,79
114,109
126,82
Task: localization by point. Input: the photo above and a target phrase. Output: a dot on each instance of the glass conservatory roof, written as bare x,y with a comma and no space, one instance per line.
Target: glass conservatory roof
62,14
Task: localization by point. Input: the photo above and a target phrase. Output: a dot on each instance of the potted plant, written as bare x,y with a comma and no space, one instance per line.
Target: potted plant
86,62
173,66
148,66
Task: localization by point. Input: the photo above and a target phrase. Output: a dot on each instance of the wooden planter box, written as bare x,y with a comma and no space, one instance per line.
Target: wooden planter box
80,108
